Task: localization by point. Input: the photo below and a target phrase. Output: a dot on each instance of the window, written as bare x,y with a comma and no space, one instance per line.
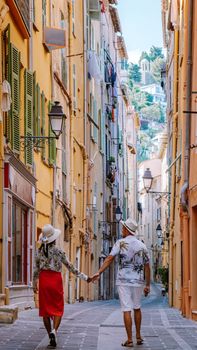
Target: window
64,72
124,64
158,214
64,167
74,88
43,126
43,13
94,207
6,75
73,17
148,231
52,142
87,25
19,244
28,77
37,110
95,127
92,38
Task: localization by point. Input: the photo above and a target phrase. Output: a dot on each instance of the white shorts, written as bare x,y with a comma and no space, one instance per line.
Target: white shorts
130,297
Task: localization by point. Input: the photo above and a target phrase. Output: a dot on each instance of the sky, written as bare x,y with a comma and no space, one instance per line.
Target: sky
141,25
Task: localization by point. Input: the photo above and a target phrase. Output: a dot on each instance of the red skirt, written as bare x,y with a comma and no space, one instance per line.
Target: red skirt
51,294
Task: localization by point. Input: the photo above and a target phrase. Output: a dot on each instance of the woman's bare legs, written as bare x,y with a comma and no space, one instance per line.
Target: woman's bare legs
47,324
56,322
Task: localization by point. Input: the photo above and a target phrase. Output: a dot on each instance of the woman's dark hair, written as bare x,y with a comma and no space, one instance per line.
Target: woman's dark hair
44,247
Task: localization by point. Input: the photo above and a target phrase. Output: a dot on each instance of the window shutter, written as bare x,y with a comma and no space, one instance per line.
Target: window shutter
35,106
28,76
38,123
52,143
43,152
15,90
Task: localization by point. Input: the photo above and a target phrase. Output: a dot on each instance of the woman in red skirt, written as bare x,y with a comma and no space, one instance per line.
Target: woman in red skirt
47,275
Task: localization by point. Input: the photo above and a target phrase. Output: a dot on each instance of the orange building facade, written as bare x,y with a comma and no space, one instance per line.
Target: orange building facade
180,38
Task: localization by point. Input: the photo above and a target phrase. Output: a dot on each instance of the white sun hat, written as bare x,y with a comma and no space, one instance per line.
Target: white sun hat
131,225
49,234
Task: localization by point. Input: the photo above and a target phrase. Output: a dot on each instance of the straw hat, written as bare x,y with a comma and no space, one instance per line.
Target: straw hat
131,225
49,234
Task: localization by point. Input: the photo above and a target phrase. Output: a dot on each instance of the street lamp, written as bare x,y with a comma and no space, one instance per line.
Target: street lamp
159,231
56,116
118,214
148,180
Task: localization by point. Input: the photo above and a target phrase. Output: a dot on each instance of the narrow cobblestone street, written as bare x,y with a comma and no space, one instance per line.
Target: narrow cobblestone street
99,326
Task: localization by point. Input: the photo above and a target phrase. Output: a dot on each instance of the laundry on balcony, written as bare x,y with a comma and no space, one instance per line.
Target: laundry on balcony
110,74
93,66
103,8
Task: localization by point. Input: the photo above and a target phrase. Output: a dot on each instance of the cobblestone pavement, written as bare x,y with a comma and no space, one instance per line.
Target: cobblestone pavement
98,326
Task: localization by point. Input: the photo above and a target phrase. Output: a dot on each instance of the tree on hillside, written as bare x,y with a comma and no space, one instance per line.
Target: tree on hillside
156,68
155,52
134,73
140,99
152,112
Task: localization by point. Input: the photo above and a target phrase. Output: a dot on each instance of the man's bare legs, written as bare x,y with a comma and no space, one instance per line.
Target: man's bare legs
128,325
138,320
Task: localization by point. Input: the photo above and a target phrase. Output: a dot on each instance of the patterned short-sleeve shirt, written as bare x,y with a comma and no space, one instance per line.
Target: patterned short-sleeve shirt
56,257
132,255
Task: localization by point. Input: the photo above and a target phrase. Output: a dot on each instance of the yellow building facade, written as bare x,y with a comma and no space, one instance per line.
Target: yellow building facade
29,174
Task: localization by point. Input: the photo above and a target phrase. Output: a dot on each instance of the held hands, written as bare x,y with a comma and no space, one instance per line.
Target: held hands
146,291
93,278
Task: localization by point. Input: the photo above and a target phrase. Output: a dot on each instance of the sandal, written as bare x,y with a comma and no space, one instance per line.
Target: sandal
140,341
128,344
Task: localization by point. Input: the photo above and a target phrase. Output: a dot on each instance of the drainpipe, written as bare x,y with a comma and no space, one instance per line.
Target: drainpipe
184,195
71,155
188,108
52,98
85,157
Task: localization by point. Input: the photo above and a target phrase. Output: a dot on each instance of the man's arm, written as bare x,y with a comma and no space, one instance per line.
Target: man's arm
105,265
147,278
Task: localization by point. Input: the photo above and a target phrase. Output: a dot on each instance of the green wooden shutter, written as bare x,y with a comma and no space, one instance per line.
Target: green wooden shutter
52,143
28,77
35,105
38,119
14,60
43,152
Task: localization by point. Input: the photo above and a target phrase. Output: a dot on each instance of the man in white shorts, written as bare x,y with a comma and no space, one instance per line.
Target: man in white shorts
133,262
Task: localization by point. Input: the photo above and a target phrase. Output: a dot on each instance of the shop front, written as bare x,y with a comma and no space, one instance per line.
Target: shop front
18,213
